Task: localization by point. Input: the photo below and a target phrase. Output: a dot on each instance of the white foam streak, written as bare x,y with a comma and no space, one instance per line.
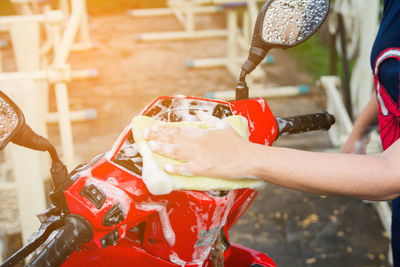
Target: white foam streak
168,232
173,257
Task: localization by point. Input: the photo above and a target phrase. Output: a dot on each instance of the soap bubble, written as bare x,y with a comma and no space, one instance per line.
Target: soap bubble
288,22
174,109
185,109
8,120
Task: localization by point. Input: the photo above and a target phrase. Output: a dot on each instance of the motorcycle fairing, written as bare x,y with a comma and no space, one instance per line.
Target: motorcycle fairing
179,227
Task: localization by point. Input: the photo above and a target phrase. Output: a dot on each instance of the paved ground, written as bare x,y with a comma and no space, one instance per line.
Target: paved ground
300,229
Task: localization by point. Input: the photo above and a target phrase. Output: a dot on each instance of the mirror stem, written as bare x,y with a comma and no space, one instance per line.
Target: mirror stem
28,138
53,153
242,91
255,57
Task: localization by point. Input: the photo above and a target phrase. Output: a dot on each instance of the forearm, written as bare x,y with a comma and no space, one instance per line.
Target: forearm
350,175
223,153
367,120
328,173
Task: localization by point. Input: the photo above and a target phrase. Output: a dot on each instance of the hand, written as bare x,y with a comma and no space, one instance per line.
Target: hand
211,152
355,145
366,122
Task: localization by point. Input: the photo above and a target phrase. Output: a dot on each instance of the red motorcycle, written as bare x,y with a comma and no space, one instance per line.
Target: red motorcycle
103,213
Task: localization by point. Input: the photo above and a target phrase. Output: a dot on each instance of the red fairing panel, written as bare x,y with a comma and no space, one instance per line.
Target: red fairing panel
262,123
134,228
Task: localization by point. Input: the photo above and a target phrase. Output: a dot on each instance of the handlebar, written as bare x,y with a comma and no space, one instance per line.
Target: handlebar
305,123
76,231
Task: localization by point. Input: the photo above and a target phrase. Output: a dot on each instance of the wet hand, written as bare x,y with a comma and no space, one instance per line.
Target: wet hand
356,145
212,152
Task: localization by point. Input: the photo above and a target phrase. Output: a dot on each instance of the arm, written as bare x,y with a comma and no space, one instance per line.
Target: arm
365,123
222,153
360,176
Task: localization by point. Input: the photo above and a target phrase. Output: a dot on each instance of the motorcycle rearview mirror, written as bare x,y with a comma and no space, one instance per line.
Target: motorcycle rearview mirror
14,129
281,24
11,120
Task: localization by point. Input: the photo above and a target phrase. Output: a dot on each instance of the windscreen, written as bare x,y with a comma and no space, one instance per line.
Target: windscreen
169,110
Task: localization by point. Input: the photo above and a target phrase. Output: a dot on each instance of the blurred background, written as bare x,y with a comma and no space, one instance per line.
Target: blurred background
80,79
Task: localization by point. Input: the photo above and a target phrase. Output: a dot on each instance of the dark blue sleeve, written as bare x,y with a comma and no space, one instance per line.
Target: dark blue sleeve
389,77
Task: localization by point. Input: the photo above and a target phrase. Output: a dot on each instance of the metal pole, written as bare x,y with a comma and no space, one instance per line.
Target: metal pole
232,39
84,41
346,69
65,123
260,91
361,78
61,88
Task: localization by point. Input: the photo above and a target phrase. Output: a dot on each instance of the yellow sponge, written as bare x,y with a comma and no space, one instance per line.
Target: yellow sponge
160,182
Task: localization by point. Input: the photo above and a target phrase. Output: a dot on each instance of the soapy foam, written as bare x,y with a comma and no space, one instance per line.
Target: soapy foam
112,181
173,257
154,145
220,214
112,192
168,148
169,168
123,228
168,232
157,181
282,124
252,127
166,110
229,206
130,154
218,220
86,172
201,254
184,171
263,105
128,150
182,109
156,170
359,145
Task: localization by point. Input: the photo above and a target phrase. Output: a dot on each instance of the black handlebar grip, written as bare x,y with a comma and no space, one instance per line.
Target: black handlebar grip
76,231
305,123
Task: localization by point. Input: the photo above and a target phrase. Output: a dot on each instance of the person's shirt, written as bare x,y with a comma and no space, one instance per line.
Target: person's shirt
388,37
